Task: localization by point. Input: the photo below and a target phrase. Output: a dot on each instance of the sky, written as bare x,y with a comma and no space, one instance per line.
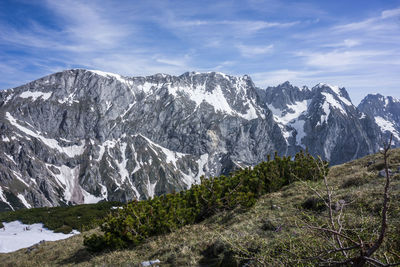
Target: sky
352,44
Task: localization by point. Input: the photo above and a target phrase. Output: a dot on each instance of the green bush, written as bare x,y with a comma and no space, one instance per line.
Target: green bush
65,229
1,225
314,204
80,217
139,220
354,181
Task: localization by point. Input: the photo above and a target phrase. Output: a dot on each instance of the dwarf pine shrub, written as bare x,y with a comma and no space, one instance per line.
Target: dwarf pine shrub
139,220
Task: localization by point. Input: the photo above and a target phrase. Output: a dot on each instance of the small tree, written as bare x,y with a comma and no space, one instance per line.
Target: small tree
354,250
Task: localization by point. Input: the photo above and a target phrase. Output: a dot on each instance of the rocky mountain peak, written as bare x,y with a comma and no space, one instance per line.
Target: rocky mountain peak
385,111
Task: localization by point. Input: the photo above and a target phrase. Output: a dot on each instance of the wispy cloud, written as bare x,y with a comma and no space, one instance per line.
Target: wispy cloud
252,50
345,58
88,23
345,43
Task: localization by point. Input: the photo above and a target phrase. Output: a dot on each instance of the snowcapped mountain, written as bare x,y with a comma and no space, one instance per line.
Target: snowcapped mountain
386,113
81,136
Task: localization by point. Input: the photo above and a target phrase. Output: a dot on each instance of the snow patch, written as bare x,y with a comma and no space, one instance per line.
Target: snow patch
127,110
298,125
70,151
10,158
151,188
386,101
326,109
111,75
290,117
122,165
333,102
386,125
19,177
201,162
4,199
35,95
109,104
23,200
146,87
286,116
104,191
69,99
89,198
9,97
13,236
215,98
66,179
171,156
336,90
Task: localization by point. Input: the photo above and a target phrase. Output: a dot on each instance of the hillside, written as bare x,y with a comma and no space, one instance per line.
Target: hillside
264,234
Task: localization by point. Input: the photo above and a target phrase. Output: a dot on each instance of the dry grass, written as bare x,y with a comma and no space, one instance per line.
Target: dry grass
231,237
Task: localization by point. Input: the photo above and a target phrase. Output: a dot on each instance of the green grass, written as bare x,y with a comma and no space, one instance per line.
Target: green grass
62,219
270,233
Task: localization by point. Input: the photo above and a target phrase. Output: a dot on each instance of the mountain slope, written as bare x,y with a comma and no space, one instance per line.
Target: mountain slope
81,136
386,113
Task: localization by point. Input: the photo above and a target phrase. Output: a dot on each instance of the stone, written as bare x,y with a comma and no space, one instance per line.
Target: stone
382,173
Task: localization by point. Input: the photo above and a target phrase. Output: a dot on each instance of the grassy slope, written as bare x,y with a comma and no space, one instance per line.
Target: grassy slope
206,243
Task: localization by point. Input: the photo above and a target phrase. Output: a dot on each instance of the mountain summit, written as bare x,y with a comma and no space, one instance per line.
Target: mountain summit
81,136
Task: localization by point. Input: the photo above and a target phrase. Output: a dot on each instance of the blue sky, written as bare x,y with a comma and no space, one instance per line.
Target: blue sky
353,44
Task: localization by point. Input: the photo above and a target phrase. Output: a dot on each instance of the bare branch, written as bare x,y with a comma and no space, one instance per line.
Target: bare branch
327,252
378,263
386,199
333,232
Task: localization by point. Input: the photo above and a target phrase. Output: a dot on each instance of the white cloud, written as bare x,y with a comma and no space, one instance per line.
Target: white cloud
343,58
345,43
390,13
376,23
275,77
251,50
351,43
89,23
238,28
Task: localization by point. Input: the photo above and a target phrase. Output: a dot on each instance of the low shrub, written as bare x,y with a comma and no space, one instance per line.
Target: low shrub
354,182
65,229
314,204
79,217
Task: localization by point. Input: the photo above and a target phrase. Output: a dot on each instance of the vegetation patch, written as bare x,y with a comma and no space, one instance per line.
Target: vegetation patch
314,204
62,219
354,181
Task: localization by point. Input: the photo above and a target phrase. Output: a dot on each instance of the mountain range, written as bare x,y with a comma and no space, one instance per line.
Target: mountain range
82,136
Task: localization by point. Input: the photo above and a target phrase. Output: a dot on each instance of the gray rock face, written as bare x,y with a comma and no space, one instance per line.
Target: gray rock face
323,120
386,113
82,136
